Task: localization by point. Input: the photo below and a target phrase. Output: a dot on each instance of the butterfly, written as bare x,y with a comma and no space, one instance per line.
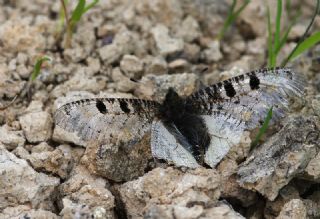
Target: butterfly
189,131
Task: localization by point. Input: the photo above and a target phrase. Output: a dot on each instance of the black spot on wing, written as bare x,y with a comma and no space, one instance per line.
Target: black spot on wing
230,91
101,107
254,82
124,106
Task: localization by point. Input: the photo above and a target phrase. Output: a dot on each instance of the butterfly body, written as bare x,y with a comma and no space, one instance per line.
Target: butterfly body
187,131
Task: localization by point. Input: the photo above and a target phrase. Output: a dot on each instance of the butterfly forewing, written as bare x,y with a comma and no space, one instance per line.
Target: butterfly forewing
107,119
248,97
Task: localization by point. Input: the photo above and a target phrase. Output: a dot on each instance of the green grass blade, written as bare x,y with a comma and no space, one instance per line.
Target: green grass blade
89,6
302,39
37,66
306,44
284,38
228,20
236,14
270,46
78,11
263,128
278,25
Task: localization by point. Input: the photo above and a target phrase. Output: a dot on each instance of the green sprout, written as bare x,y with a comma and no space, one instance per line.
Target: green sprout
305,43
263,128
38,65
276,42
232,16
76,15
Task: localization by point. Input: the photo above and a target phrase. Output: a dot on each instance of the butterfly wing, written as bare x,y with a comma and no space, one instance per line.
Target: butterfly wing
167,143
225,132
248,97
170,144
107,120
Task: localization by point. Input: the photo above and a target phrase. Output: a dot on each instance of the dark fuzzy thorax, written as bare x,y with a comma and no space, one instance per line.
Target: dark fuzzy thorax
192,127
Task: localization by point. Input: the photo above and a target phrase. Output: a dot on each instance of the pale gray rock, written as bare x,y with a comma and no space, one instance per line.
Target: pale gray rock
156,65
8,88
282,157
81,81
207,10
17,35
165,43
25,211
167,12
294,209
82,43
220,211
73,210
212,53
58,162
11,138
43,146
156,87
297,31
253,18
313,205
191,52
170,188
179,66
86,194
315,104
110,53
118,162
123,43
189,30
312,171
132,66
37,126
123,83
20,184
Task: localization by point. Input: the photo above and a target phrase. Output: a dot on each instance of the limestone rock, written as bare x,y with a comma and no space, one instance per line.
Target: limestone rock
118,162
294,209
156,66
156,87
170,188
58,162
212,53
123,43
25,211
87,195
20,184
282,157
189,30
11,138
37,126
131,66
166,45
312,171
81,81
19,36
220,211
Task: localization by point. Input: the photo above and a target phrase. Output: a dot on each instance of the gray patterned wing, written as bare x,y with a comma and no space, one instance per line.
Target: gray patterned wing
107,120
248,97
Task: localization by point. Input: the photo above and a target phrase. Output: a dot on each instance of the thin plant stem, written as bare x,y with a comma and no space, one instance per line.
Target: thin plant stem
284,62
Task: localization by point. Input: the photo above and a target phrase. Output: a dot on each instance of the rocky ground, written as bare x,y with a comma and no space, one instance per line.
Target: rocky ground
162,44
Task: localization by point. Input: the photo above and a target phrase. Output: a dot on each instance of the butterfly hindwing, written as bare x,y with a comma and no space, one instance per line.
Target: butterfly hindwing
225,132
167,143
248,97
104,119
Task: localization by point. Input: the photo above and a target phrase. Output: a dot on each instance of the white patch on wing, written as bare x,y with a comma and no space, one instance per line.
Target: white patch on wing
225,132
164,145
